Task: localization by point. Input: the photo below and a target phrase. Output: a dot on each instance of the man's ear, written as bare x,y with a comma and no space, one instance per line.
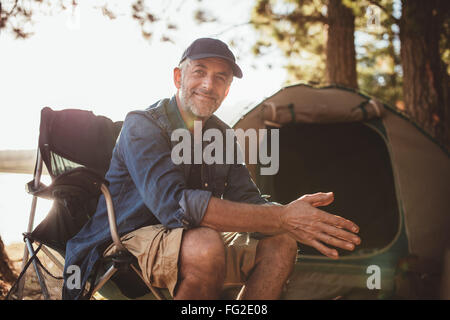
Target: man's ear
177,77
228,90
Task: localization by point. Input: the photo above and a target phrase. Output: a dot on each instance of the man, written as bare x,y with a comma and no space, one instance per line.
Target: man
190,226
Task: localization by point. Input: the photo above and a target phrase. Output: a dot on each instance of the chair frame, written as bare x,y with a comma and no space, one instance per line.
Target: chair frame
30,252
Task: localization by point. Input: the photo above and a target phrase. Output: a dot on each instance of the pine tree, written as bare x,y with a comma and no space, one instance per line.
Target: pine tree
297,27
423,30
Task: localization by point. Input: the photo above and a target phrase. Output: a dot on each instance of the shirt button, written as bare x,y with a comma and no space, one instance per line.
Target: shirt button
206,184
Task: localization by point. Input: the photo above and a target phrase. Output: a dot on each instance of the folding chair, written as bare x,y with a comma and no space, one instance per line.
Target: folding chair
76,148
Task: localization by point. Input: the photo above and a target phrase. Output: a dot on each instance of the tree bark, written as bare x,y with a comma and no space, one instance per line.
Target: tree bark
7,275
425,79
341,59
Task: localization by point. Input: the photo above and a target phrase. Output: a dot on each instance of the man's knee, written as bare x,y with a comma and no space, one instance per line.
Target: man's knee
280,249
202,248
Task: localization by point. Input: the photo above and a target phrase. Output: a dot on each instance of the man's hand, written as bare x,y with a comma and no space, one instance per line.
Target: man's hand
314,227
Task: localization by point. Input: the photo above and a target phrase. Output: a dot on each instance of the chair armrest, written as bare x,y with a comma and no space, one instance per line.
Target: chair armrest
112,218
78,181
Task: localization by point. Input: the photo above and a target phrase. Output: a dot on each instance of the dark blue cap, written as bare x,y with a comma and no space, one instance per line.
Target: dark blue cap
210,48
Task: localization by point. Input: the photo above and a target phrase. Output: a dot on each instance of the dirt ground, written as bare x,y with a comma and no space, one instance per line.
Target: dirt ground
32,290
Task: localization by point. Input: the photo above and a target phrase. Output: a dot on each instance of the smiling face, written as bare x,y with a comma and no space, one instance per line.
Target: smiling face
202,86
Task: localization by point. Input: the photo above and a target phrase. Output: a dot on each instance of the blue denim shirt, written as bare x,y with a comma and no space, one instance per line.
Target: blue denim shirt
148,188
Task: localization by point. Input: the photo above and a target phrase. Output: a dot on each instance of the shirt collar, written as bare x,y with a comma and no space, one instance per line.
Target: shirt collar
173,114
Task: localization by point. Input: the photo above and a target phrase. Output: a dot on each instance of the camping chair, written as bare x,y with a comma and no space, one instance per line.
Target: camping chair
76,148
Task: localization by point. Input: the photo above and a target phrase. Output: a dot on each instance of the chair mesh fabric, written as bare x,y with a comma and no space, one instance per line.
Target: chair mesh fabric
60,164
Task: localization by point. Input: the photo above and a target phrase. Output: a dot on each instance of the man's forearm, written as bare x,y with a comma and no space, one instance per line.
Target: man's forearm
300,219
223,215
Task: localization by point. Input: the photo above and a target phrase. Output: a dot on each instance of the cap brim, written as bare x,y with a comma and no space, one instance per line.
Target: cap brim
237,72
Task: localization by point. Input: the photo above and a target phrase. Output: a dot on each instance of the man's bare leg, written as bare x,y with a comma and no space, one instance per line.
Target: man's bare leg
275,259
201,265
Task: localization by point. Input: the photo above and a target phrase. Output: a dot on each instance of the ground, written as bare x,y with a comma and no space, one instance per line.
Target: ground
32,289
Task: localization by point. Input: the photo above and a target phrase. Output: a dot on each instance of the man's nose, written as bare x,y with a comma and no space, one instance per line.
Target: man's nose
207,83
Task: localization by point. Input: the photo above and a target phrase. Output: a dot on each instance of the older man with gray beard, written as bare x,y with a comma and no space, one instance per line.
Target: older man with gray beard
192,226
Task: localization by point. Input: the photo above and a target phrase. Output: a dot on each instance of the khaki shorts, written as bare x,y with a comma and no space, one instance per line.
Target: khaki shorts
157,250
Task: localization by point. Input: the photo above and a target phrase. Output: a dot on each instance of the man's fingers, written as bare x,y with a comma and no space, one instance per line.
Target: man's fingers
337,232
319,199
318,229
337,221
315,239
331,253
335,242
322,203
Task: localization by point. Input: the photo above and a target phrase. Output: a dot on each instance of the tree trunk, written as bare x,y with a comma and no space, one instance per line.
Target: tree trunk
425,80
341,60
7,275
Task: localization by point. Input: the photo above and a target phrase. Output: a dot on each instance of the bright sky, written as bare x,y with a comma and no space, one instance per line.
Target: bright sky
86,61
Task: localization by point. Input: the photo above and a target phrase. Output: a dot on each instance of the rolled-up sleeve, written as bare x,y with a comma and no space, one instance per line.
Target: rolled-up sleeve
146,151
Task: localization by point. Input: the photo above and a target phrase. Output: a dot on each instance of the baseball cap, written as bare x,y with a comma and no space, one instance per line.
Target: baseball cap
210,48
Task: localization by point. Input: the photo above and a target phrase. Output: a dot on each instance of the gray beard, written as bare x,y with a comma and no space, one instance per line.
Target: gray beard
189,105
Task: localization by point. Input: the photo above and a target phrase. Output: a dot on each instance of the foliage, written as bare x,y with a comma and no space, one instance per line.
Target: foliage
18,17
277,23
299,29
445,39
379,65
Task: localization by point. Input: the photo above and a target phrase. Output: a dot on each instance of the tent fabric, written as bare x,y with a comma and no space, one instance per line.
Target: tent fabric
305,104
330,106
332,284
423,175
420,167
416,166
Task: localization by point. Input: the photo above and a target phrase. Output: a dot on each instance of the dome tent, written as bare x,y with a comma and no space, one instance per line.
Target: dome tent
387,174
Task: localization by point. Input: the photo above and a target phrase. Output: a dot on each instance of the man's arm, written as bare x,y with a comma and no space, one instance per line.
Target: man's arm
145,150
224,215
300,219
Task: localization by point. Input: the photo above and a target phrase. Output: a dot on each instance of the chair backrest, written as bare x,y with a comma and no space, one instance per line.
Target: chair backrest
71,141
72,138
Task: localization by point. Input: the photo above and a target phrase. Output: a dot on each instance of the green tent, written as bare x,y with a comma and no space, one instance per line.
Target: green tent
387,175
